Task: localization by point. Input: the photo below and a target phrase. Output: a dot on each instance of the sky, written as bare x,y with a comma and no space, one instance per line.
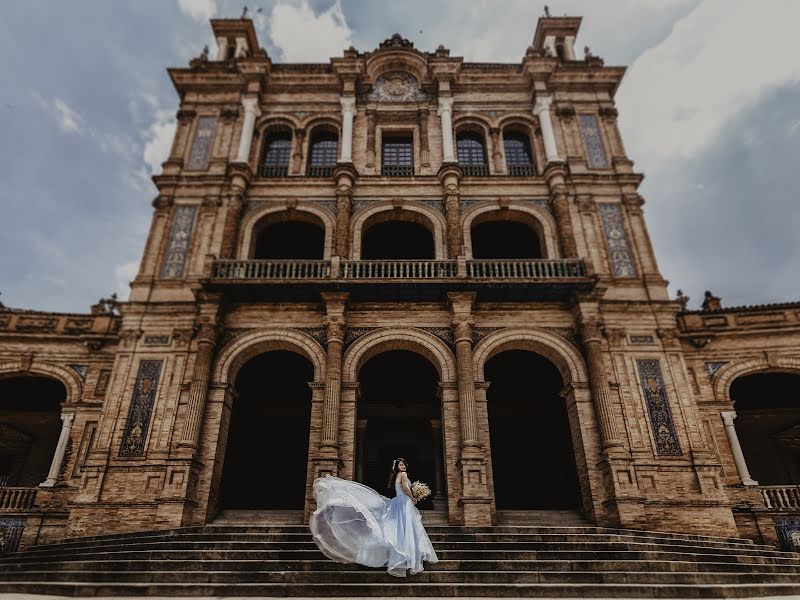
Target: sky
709,111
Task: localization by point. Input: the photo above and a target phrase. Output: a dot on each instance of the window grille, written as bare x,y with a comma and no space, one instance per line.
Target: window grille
471,154
398,157
519,160
323,154
277,151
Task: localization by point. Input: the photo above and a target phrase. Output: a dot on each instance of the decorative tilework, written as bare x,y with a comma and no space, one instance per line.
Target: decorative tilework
619,251
179,238
788,530
443,333
318,333
595,152
657,406
478,333
81,370
144,397
353,333
201,145
713,367
10,534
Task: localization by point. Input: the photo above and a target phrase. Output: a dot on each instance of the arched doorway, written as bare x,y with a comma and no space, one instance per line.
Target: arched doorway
289,234
506,234
267,448
30,424
397,235
533,459
768,425
399,415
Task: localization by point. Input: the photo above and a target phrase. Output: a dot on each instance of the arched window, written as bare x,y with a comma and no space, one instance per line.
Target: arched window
471,153
323,153
277,151
519,159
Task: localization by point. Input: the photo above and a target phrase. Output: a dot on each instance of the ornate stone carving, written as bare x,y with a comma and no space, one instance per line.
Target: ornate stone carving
179,239
565,332
397,86
318,333
182,337
353,333
713,367
78,325
788,530
616,336
595,151
655,396
396,41
443,333
144,397
619,252
36,323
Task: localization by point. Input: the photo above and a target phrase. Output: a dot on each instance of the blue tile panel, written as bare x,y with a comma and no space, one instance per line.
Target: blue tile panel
658,408
595,151
144,397
201,145
179,238
619,250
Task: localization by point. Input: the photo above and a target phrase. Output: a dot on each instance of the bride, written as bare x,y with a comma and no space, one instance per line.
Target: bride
355,524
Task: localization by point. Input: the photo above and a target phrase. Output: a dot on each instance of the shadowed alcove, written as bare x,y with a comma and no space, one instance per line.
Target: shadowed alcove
397,235
286,235
506,234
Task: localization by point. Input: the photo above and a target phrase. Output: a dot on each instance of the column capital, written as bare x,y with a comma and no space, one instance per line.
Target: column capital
445,104
250,105
727,417
67,419
542,104
461,302
348,103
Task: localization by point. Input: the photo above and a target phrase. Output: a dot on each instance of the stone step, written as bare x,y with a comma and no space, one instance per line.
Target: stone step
260,517
407,588
540,518
446,565
428,576
181,544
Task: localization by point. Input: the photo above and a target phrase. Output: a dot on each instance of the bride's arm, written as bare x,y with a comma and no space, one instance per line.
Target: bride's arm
407,487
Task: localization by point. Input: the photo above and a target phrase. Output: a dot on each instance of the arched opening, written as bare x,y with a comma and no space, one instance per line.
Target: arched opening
471,152
506,234
323,152
399,415
397,235
267,448
289,234
517,148
533,459
768,425
30,424
276,153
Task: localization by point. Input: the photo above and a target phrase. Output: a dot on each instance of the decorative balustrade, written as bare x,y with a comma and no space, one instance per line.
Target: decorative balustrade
271,269
17,498
526,269
523,269
781,497
522,170
398,269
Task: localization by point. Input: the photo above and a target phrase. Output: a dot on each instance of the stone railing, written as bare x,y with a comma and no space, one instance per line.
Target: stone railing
781,497
522,269
271,269
526,269
14,499
398,269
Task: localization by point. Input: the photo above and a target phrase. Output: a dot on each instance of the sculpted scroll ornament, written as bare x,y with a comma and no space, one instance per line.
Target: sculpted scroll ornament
396,87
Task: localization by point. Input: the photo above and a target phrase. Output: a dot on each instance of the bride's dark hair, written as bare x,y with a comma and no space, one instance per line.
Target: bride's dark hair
395,470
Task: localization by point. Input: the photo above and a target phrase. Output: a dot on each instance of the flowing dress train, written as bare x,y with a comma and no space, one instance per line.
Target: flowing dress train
355,524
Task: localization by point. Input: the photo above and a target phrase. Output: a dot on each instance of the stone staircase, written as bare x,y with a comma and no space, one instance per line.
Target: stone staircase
502,561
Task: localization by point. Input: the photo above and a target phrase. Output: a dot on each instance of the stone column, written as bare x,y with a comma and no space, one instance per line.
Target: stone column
601,393
348,112
61,449
497,151
542,110
198,389
335,326
251,111
361,433
345,179
438,474
446,116
736,448
449,176
424,152
370,162
559,200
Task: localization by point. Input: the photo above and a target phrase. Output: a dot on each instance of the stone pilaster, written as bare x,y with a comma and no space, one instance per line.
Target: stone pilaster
446,117
450,176
497,151
345,177
559,200
206,340
239,176
348,112
424,151
542,111
251,111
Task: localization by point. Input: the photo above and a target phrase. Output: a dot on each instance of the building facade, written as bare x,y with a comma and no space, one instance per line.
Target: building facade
400,253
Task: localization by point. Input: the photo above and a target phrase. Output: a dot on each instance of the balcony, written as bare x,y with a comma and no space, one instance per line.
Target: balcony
522,170
387,280
17,499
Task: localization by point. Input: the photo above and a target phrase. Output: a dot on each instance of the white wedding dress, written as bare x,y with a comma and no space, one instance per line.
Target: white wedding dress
355,524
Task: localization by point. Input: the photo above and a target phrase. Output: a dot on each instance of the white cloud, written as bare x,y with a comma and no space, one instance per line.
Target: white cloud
68,119
123,275
158,140
717,61
199,10
303,36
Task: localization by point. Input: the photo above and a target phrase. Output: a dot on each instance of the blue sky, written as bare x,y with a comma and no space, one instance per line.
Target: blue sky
709,109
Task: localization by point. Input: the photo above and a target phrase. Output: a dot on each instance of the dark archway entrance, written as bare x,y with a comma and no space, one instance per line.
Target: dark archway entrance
505,239
267,453
285,236
30,424
397,240
768,425
533,460
399,415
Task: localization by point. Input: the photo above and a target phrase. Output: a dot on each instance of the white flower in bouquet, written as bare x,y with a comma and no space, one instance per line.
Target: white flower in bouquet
420,490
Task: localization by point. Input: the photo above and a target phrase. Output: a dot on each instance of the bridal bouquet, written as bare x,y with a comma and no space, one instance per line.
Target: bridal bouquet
420,490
